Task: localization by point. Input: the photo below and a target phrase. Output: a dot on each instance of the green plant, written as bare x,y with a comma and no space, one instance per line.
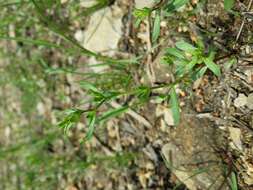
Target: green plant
233,182
38,163
228,4
141,14
187,61
117,83
191,60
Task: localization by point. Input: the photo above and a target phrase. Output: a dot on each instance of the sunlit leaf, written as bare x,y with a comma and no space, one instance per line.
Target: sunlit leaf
233,183
140,15
73,116
156,28
175,52
191,64
174,106
88,86
113,113
91,116
212,66
185,46
143,93
201,72
228,4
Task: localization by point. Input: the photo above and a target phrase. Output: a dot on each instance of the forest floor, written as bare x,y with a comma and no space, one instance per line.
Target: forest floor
211,147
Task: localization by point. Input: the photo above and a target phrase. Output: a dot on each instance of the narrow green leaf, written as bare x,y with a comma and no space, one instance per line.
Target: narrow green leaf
228,4
41,43
113,113
175,52
91,124
191,64
201,72
14,2
200,44
143,93
156,28
142,13
233,183
174,106
212,66
185,46
89,86
180,67
175,5
137,22
73,116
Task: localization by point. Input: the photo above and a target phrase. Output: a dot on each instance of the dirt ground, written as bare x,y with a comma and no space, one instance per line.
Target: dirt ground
140,149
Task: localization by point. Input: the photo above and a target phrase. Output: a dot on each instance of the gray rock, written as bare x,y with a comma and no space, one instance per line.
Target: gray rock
250,101
139,4
240,101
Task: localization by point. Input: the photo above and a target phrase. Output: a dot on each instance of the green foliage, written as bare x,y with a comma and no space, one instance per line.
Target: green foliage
112,113
229,4
39,165
73,116
191,60
38,162
141,14
174,104
143,93
30,71
156,28
91,117
184,46
212,66
233,181
175,5
119,160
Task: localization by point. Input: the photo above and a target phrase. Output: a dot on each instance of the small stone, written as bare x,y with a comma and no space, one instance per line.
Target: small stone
139,4
79,35
64,1
249,74
41,108
104,30
168,118
150,166
87,3
240,101
250,101
163,24
247,49
235,135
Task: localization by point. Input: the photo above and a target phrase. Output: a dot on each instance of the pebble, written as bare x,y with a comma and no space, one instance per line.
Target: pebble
139,4
250,101
240,101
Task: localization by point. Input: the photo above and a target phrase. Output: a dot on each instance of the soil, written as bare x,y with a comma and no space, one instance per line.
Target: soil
215,136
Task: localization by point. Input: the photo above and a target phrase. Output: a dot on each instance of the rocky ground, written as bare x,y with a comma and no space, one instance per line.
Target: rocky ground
141,149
